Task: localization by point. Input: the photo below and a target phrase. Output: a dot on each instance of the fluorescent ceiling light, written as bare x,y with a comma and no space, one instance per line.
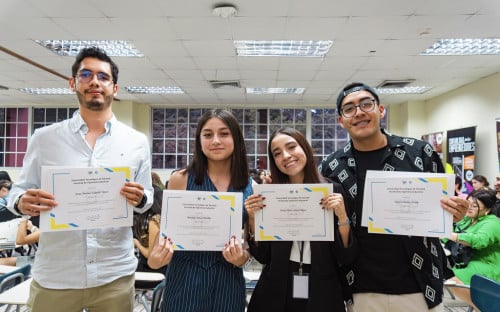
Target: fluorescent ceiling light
464,47
154,90
72,47
275,90
308,48
47,91
404,90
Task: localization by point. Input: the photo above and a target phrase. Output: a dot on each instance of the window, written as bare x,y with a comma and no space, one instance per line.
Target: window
173,131
13,136
46,116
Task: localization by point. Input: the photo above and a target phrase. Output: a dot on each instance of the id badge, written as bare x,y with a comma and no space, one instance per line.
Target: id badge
300,286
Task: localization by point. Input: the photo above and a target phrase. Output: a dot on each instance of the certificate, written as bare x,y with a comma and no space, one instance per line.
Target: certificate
87,198
407,203
198,220
293,213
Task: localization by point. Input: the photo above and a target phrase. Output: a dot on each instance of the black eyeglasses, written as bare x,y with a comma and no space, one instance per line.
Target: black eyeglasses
85,76
365,105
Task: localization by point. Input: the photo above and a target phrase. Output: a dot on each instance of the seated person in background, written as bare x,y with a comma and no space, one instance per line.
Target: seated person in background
254,173
479,182
27,234
496,210
5,186
480,230
155,179
4,175
146,228
5,214
458,187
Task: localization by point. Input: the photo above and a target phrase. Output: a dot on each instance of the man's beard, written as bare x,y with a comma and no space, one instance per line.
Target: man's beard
95,104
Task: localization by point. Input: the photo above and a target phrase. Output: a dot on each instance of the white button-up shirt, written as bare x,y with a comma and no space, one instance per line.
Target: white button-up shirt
88,258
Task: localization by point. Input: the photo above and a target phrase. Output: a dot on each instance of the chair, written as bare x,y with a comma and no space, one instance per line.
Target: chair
157,296
451,302
144,282
485,293
13,278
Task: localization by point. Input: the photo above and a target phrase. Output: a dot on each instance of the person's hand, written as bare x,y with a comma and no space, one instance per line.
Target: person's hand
456,206
267,179
136,243
254,203
234,253
35,201
335,202
133,193
29,225
161,254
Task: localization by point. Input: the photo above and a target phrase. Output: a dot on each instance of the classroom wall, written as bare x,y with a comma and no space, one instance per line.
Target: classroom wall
475,104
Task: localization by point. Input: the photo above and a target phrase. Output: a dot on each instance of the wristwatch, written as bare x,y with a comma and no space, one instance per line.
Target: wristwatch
16,204
247,263
347,222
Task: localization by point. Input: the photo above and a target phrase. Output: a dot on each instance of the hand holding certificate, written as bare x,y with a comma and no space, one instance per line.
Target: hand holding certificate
87,198
407,203
198,220
293,212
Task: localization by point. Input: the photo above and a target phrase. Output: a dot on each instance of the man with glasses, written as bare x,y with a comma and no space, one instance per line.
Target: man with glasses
86,269
386,276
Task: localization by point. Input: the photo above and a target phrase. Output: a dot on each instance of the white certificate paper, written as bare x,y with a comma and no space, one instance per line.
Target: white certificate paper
293,213
198,220
87,198
407,203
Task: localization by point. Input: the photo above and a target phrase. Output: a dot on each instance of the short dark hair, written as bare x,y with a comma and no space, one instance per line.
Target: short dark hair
354,87
486,196
97,53
482,179
311,174
5,183
240,172
4,175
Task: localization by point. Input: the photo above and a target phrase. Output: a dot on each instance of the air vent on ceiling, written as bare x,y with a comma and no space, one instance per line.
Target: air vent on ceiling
395,83
227,84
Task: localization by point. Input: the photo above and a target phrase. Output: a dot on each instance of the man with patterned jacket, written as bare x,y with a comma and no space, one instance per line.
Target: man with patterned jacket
392,272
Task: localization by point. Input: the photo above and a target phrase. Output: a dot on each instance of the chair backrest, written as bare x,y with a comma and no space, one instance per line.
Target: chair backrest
157,296
485,293
15,277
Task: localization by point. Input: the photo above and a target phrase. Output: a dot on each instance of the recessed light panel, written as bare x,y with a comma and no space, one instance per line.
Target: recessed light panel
72,47
154,90
464,47
306,48
47,91
275,90
405,90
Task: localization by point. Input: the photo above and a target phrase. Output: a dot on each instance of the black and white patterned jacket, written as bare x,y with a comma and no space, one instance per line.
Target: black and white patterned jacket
425,254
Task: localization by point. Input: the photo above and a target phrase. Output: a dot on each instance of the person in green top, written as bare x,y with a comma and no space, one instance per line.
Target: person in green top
480,229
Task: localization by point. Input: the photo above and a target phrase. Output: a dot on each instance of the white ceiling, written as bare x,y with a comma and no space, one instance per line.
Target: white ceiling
185,46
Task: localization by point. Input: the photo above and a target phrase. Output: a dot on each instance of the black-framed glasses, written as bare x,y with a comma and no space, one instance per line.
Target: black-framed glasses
365,105
85,76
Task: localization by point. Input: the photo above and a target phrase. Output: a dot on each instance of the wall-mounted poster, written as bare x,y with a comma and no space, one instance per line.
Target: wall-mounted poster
436,141
460,155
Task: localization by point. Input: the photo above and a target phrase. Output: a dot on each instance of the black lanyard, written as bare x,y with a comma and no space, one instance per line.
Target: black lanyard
301,251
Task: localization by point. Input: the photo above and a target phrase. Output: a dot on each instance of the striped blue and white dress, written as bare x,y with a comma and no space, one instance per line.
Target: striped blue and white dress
203,281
